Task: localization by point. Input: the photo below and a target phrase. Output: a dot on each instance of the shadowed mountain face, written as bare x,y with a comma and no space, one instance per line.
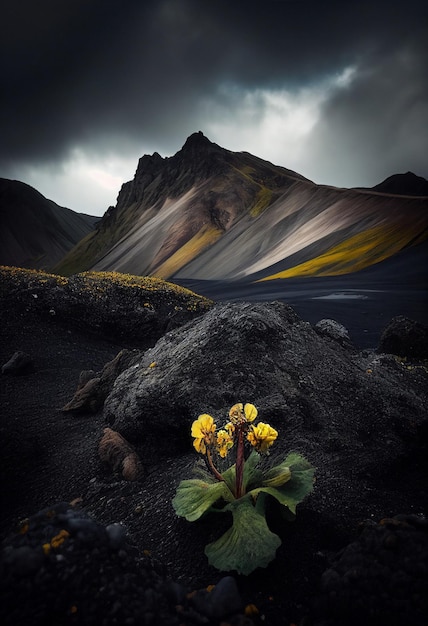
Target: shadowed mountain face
404,184
210,214
36,232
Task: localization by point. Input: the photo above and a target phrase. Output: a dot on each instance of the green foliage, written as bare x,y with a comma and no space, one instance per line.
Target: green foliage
249,543
195,496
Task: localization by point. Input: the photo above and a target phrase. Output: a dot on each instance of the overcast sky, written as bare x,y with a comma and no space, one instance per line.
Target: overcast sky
336,90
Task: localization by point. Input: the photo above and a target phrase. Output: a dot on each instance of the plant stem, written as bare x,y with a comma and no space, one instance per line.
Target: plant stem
212,467
239,463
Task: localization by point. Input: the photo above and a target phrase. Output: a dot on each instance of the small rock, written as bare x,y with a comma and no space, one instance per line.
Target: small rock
115,451
222,601
334,330
19,364
116,534
225,598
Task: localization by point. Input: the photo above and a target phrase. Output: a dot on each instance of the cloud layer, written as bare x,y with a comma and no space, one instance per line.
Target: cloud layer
336,91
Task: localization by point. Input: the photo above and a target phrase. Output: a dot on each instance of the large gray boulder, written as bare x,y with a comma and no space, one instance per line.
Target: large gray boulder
323,397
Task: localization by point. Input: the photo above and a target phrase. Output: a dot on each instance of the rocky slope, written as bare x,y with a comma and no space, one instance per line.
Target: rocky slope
209,213
36,232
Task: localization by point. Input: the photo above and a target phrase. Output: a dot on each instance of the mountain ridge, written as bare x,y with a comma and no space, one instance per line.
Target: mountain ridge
208,213
35,232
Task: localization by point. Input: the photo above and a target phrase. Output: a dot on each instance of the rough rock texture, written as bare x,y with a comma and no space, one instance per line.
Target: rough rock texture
69,569
323,398
381,578
333,329
406,338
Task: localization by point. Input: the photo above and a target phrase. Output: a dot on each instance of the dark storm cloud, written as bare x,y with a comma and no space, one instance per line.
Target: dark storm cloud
78,71
378,123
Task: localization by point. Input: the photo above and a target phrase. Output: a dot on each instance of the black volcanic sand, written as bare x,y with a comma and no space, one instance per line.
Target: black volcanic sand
52,457
363,306
364,302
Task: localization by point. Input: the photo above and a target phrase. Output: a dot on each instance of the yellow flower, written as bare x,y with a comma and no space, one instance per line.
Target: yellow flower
203,430
262,436
230,428
239,414
224,443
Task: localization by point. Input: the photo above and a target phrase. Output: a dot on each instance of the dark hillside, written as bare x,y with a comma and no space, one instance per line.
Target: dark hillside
34,231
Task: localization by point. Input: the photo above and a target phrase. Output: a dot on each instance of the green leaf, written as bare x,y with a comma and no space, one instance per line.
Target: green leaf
248,544
195,496
298,486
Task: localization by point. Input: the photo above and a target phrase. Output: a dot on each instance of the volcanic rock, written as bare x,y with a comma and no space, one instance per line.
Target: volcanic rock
333,329
373,578
93,388
321,396
19,363
405,338
116,452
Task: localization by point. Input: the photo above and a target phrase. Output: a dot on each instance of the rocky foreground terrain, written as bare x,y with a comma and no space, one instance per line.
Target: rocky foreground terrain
88,541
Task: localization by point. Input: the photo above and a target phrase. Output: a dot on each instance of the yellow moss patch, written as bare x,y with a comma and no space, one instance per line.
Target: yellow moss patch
97,284
205,237
20,273
354,254
262,201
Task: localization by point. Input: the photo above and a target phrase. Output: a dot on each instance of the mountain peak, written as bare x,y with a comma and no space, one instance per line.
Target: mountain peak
404,184
197,139
197,144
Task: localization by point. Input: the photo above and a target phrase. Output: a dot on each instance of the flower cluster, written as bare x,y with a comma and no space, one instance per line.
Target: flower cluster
243,489
260,436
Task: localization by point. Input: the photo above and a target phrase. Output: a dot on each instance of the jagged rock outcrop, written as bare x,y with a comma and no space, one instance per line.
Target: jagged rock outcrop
323,397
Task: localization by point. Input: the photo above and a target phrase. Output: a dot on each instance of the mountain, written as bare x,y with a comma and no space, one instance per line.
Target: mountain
212,214
404,184
34,231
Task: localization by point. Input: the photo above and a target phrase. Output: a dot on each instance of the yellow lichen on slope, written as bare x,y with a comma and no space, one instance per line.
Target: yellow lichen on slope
262,201
206,236
354,254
